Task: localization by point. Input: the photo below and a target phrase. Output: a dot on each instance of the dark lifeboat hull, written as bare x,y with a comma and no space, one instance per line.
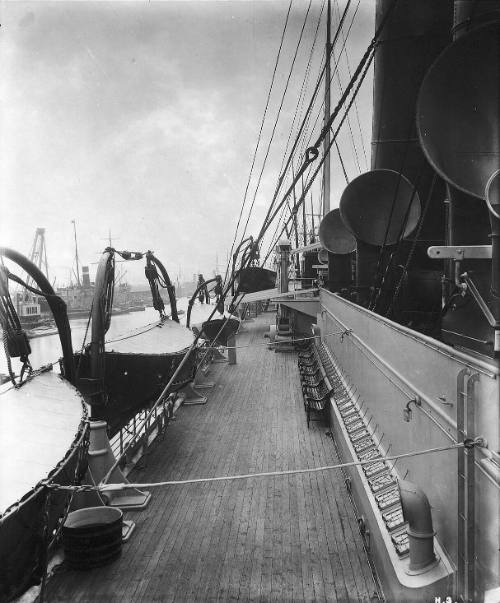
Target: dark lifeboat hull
136,370
220,329
254,278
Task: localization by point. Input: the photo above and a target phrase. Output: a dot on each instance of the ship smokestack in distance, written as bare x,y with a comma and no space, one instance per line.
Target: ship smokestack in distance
85,276
340,244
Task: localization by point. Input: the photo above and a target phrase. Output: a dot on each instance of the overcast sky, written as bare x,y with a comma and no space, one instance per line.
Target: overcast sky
141,118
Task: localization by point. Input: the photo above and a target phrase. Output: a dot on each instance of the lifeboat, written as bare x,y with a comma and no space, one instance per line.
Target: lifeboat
121,377
43,438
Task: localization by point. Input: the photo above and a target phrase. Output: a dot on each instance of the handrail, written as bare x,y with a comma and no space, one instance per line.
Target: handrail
489,369
486,453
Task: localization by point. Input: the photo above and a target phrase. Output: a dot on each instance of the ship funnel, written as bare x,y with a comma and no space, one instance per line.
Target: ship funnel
85,276
457,111
339,243
417,512
379,208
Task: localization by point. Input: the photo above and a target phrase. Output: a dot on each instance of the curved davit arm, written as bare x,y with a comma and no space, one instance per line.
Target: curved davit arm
417,512
56,304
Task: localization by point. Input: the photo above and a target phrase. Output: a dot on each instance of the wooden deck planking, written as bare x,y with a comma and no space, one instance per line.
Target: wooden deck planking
289,538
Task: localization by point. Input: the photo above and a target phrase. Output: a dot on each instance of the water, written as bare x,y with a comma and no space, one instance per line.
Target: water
47,349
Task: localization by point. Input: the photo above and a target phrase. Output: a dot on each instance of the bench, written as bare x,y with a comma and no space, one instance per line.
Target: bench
308,369
308,353
317,397
312,380
316,387
314,375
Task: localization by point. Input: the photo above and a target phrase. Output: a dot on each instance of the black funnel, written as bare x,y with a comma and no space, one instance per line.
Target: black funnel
458,108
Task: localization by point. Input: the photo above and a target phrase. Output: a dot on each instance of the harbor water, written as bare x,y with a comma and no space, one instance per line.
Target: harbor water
47,349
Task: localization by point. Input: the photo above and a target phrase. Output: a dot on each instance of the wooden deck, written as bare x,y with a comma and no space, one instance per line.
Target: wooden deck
287,538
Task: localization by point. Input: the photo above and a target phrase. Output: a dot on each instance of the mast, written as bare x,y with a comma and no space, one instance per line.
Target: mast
326,141
304,220
76,256
313,228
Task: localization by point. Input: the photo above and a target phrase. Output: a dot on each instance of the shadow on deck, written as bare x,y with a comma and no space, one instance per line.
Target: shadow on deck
287,538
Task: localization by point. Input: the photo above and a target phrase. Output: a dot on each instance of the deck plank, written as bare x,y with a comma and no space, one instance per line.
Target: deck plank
288,538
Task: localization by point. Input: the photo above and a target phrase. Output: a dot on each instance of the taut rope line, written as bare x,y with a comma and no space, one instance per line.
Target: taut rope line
203,480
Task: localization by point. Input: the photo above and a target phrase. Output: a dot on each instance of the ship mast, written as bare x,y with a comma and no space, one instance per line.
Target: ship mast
326,141
76,256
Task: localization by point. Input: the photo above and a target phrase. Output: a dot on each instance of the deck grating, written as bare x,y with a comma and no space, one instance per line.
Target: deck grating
288,538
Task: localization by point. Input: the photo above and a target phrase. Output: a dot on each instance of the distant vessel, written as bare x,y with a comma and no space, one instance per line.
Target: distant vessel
32,309
28,309
78,296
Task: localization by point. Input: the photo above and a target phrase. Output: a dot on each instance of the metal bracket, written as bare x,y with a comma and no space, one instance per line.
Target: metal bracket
479,300
463,252
473,442
407,410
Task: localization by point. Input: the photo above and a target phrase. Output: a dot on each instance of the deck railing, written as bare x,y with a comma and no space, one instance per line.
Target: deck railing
141,431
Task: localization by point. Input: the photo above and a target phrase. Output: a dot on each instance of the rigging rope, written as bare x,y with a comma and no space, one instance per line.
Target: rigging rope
413,247
203,480
277,116
301,200
307,152
377,290
360,73
300,102
355,103
260,134
335,70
